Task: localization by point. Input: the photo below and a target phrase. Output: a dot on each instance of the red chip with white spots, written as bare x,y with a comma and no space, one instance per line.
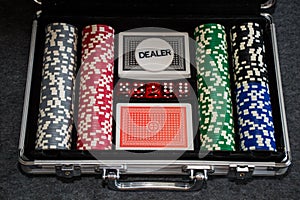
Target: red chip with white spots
94,123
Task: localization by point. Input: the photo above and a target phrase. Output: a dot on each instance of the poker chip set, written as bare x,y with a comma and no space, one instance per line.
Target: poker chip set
94,120
189,89
95,92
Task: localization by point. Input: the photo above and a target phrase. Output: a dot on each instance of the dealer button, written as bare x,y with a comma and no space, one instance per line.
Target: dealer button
154,54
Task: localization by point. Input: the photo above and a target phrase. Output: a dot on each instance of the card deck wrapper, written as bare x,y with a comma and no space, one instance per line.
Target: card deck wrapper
143,126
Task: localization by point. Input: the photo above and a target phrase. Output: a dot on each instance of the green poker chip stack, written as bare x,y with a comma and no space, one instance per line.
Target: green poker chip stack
214,95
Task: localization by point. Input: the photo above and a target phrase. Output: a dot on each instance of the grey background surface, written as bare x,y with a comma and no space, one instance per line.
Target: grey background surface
15,30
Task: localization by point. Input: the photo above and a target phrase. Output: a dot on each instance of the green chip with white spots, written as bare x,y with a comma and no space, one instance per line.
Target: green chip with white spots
216,123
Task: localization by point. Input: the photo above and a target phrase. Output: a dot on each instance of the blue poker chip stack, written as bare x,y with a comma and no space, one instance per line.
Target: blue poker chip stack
255,121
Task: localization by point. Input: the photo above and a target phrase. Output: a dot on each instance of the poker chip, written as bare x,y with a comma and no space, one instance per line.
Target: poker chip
158,89
254,110
255,119
214,94
55,120
248,53
94,125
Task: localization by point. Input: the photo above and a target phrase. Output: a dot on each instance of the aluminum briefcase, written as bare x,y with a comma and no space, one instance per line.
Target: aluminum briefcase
137,168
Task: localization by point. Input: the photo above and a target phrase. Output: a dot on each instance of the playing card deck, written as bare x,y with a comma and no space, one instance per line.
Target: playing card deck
144,126
138,61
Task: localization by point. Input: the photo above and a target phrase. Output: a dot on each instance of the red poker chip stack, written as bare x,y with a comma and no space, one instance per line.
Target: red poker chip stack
94,125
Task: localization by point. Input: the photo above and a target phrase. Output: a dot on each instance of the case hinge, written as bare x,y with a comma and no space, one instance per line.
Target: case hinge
68,171
240,173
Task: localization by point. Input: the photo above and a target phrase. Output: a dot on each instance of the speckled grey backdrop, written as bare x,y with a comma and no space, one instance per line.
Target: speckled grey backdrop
15,28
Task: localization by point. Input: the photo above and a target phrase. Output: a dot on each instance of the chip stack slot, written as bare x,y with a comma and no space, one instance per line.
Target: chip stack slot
255,121
94,124
216,122
55,120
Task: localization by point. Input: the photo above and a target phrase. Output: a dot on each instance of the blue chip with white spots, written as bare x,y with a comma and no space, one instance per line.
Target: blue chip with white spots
255,121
